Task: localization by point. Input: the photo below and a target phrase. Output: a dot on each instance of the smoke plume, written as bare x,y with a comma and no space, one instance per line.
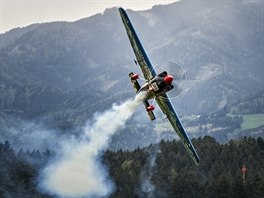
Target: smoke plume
147,188
78,171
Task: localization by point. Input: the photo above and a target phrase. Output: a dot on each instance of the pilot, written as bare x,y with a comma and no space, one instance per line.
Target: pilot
161,83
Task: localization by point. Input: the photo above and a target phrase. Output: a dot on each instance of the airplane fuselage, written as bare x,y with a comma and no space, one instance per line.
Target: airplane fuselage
156,86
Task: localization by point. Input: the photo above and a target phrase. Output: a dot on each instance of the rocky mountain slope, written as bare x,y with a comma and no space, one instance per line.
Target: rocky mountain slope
61,73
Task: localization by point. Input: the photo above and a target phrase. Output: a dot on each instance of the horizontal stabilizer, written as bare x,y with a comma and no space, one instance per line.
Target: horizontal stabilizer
150,113
135,83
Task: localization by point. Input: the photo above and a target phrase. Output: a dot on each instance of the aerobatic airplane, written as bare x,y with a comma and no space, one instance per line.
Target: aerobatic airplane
156,87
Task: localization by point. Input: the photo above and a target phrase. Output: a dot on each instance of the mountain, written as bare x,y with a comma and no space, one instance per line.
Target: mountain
61,73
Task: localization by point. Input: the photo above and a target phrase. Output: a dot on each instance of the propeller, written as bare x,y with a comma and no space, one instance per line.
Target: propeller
180,79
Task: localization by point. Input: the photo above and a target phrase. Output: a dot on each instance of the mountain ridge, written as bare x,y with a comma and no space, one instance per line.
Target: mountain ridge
64,72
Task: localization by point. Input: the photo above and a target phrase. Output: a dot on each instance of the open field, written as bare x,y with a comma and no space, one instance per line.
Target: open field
251,121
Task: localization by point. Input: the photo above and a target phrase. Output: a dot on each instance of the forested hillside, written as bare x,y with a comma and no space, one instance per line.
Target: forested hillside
60,74
160,170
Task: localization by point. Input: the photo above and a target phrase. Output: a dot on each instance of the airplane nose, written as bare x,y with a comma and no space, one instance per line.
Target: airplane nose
168,79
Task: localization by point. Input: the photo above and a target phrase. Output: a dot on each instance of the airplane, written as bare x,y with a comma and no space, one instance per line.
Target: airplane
156,87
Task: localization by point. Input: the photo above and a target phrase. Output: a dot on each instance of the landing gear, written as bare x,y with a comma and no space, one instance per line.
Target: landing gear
150,108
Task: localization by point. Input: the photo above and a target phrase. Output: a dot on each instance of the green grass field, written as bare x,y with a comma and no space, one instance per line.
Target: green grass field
251,121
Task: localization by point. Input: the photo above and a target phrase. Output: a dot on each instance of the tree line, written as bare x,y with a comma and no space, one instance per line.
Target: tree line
159,170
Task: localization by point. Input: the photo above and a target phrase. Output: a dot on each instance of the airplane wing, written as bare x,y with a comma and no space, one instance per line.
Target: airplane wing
149,72
141,56
167,108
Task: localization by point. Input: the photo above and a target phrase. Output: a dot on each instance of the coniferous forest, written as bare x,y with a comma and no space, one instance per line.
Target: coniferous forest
160,170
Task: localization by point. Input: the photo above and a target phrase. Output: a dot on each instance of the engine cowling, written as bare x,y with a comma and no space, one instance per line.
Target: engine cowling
150,108
168,79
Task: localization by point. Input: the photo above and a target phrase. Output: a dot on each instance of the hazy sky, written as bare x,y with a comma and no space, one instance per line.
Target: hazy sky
20,13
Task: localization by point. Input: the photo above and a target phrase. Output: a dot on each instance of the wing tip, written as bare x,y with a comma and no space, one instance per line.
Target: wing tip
195,157
121,9
122,13
197,162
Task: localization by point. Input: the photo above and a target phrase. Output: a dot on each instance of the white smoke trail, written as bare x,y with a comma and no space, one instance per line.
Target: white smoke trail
78,171
146,187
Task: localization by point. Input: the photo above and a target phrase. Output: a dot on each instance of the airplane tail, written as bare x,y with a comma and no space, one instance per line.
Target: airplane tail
149,108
